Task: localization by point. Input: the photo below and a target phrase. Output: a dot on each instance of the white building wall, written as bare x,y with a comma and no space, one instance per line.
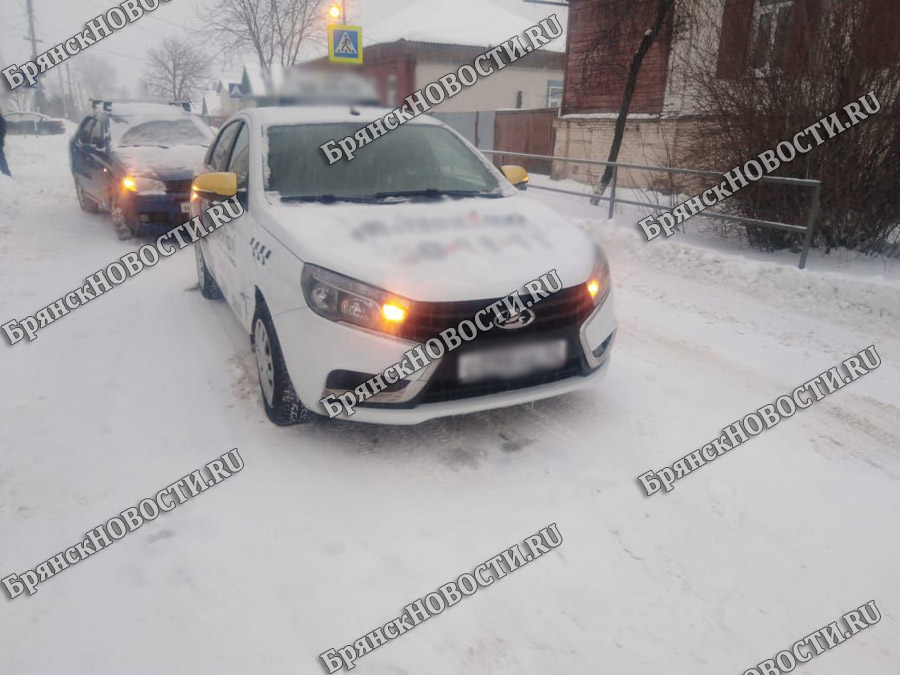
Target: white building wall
495,92
695,48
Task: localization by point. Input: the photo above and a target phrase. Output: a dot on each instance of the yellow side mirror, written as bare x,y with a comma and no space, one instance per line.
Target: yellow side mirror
221,184
515,175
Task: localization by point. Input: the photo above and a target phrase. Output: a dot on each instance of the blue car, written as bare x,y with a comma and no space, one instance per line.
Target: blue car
137,161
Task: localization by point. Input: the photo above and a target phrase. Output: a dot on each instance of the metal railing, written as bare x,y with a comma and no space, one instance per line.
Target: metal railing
806,228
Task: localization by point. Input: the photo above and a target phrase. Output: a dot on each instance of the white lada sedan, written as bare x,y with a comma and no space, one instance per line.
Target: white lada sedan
335,271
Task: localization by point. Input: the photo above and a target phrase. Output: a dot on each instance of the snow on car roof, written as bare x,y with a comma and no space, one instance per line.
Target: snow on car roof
151,110
326,115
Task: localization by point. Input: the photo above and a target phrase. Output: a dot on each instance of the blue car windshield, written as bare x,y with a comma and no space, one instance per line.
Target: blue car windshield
165,133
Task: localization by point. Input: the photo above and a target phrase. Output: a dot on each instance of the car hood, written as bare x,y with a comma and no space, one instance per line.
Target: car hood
172,163
441,251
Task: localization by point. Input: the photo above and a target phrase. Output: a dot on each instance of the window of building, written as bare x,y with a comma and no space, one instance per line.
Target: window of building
391,91
554,93
771,19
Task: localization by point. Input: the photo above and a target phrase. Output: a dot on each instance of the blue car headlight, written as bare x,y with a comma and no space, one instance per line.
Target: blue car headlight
144,186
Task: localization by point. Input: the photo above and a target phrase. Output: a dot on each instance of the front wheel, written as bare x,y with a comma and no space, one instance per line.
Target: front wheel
282,405
209,289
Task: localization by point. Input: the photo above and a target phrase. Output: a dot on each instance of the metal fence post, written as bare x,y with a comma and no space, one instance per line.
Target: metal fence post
612,196
810,224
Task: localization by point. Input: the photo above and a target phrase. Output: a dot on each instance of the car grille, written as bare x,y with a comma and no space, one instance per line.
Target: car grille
569,307
557,317
182,187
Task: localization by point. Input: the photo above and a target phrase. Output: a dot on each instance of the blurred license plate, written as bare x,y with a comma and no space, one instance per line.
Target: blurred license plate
185,207
511,362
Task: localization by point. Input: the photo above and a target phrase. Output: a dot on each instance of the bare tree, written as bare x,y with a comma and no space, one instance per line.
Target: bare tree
20,100
642,21
273,30
176,70
764,77
95,77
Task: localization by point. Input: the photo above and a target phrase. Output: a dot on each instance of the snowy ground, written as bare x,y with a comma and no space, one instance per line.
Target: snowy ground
332,528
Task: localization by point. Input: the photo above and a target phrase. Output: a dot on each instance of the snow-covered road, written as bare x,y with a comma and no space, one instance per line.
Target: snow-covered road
331,528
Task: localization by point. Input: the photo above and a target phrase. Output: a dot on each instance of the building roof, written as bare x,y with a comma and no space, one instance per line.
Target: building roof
456,54
357,115
212,104
476,23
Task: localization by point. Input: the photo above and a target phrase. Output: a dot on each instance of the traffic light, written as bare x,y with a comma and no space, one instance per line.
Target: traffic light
335,12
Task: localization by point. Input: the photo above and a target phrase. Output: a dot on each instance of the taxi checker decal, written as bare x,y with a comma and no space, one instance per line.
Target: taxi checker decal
260,252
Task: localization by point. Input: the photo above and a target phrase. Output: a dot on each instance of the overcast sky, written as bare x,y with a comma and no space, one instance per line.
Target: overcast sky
57,20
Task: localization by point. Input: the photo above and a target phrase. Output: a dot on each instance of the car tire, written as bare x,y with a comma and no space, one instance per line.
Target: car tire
209,289
282,405
87,204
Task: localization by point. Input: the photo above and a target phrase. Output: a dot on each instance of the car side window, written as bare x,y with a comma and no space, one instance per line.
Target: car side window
84,136
219,157
97,136
240,157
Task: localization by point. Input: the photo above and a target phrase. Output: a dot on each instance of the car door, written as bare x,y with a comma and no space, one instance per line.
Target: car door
100,168
80,153
214,249
242,250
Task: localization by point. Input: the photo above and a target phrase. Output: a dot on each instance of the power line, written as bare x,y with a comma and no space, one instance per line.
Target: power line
147,14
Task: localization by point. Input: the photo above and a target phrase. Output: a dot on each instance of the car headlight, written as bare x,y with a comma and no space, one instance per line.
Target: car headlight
340,298
142,185
600,281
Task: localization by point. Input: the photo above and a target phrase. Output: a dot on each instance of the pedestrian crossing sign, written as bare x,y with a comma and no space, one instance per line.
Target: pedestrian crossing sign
345,44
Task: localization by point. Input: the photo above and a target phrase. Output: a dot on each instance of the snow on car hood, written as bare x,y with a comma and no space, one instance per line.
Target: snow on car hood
170,163
448,250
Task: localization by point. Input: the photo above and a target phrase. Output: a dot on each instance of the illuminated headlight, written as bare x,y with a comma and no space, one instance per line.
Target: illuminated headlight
340,298
598,284
143,186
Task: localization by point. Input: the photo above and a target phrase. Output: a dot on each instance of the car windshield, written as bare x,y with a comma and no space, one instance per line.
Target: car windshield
165,133
413,161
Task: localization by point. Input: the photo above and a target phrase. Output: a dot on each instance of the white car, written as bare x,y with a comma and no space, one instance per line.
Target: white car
419,218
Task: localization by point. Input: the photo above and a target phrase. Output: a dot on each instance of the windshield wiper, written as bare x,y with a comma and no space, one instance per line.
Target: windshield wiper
432,193
323,199
144,145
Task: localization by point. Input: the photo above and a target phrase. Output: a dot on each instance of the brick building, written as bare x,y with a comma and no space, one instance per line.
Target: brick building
727,37
399,68
427,40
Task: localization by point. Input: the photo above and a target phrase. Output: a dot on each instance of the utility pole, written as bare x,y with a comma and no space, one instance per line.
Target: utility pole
62,94
76,103
31,38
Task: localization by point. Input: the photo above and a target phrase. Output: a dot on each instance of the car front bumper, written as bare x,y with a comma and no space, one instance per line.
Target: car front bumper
155,213
314,348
